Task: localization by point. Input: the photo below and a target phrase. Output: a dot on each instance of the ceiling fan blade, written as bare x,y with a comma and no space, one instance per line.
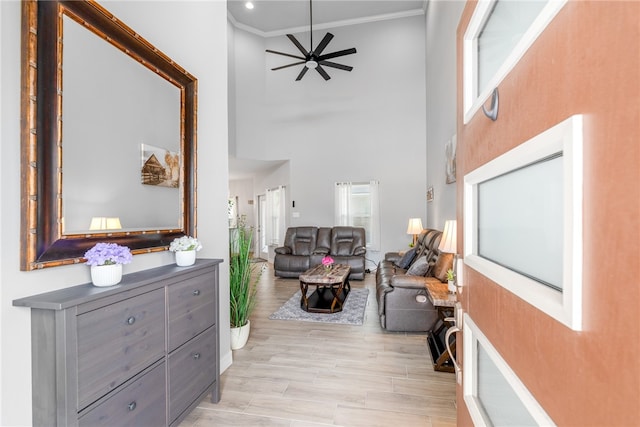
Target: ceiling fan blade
302,73
285,54
287,66
337,54
334,65
295,41
322,72
323,43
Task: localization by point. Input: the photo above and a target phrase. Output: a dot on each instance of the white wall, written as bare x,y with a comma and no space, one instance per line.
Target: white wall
360,125
442,22
195,35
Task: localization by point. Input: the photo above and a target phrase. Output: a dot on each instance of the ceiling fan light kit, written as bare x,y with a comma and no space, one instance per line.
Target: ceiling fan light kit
313,58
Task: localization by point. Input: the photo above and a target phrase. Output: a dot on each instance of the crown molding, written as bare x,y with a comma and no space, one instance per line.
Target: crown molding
326,25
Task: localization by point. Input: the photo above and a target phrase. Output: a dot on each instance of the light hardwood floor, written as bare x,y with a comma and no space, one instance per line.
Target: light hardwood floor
299,374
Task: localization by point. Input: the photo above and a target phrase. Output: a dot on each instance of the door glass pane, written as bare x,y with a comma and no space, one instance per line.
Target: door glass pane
499,401
520,221
505,26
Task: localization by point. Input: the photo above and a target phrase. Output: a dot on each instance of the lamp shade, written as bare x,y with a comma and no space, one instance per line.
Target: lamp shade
449,237
415,226
104,223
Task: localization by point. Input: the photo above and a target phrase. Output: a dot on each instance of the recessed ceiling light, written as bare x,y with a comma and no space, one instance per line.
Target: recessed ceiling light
249,5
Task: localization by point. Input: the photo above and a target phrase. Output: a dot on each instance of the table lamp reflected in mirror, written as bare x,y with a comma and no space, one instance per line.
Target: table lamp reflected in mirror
105,223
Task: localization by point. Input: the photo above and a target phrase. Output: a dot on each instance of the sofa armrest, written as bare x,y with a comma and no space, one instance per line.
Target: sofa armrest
321,250
408,282
283,250
360,250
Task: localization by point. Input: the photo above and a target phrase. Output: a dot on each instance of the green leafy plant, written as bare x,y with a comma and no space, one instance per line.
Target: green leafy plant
242,276
450,275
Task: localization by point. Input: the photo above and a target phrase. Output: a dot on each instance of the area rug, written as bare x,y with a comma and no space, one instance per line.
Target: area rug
352,313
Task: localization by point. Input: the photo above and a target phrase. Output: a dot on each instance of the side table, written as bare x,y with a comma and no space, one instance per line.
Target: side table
444,302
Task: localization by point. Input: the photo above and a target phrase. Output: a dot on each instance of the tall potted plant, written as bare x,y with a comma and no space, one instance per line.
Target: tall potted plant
242,283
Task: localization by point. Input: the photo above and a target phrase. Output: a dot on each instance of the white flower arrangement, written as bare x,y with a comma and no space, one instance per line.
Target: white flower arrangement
185,243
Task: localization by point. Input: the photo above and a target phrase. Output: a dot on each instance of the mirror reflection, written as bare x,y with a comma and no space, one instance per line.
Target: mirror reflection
120,139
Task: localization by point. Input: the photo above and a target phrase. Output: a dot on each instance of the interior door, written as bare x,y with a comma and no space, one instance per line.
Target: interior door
263,249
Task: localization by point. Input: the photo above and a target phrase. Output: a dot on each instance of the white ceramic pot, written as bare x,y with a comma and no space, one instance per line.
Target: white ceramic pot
106,275
239,336
184,258
451,286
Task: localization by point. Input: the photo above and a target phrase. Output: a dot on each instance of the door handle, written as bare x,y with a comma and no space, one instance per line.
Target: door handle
456,367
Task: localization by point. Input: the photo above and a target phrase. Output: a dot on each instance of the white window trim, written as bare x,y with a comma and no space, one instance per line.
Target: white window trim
472,103
471,337
565,306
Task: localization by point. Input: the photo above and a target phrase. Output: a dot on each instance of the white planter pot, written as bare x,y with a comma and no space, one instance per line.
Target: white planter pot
106,275
184,258
451,286
239,336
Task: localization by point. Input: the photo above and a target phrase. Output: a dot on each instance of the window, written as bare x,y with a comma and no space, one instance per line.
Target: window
493,393
356,204
498,35
276,214
523,221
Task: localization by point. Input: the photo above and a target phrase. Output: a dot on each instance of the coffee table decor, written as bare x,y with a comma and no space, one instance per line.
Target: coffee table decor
352,313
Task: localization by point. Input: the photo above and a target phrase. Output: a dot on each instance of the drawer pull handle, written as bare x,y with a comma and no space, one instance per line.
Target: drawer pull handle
131,320
196,292
132,406
196,356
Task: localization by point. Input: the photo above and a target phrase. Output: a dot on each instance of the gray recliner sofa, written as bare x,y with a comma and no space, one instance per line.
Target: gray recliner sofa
304,247
403,304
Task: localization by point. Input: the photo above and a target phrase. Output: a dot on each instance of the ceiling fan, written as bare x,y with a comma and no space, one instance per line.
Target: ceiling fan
313,58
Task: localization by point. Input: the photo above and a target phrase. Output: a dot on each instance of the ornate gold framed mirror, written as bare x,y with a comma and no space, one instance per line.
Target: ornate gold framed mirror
108,133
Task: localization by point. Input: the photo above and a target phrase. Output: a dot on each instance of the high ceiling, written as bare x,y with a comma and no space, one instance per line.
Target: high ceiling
277,17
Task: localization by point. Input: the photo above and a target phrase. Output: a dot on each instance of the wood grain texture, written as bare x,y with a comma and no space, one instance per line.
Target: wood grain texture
317,374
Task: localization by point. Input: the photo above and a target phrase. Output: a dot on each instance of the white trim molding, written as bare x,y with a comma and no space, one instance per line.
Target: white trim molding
473,338
563,304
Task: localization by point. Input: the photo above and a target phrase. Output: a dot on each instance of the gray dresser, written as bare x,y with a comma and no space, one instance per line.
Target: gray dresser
141,353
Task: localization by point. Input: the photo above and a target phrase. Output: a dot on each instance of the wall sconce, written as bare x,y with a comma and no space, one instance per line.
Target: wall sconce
415,228
104,223
448,244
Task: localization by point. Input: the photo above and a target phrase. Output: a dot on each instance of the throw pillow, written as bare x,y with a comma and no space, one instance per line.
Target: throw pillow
419,268
406,259
444,263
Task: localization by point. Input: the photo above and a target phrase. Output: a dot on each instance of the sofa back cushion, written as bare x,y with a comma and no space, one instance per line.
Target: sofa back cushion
345,240
443,263
324,240
301,240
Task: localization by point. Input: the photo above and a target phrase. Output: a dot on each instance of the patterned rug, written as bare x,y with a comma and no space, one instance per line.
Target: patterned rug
351,314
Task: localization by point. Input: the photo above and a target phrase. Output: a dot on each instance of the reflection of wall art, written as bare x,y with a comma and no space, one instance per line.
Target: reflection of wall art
450,154
160,167
430,194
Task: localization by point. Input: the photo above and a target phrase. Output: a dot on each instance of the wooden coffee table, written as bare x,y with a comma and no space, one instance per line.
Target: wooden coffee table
332,288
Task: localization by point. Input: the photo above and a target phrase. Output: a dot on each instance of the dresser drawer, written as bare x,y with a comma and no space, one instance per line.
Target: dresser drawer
191,370
117,341
141,403
191,309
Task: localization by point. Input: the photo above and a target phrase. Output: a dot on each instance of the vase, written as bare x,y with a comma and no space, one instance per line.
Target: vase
106,275
185,258
451,286
239,336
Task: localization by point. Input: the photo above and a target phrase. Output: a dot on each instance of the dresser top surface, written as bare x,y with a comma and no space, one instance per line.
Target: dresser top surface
76,295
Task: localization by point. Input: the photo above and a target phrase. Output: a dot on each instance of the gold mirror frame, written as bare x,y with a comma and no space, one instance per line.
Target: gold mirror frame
43,243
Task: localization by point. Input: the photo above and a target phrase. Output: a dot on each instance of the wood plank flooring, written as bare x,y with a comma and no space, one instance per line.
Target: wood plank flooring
304,374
